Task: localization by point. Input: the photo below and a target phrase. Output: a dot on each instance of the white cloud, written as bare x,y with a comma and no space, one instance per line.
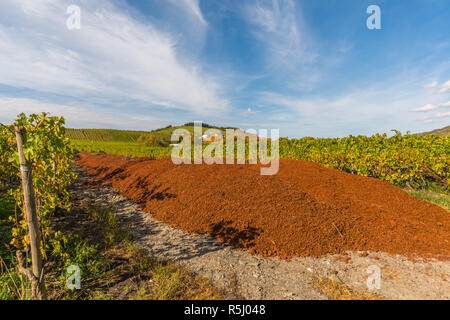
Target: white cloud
369,110
425,108
437,116
445,104
331,116
113,57
75,116
445,87
443,114
358,104
432,85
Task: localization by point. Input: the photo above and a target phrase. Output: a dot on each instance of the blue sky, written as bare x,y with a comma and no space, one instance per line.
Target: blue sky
308,68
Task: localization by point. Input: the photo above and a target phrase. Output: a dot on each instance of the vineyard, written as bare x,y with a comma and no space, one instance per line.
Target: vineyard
40,151
154,144
403,160
126,143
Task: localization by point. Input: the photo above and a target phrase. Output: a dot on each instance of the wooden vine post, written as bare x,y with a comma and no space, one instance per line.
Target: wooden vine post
36,276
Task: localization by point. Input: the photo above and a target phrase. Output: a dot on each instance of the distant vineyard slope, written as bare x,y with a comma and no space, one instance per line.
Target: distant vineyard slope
104,135
131,143
445,132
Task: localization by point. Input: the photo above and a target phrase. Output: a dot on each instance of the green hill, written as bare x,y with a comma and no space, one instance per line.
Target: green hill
163,134
104,135
153,143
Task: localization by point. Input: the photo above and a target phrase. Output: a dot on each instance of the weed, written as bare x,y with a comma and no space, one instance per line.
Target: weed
340,291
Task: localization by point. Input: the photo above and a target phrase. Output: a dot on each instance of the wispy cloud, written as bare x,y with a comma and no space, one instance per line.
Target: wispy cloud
425,108
432,85
445,87
279,25
113,57
378,108
193,7
305,67
436,117
443,114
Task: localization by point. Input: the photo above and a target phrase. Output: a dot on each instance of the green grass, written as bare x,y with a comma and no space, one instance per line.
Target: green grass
113,267
129,149
13,285
432,196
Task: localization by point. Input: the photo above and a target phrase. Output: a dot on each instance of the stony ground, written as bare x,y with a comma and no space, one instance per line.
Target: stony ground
247,276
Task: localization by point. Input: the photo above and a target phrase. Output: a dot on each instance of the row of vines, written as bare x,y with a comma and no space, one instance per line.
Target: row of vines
49,156
403,160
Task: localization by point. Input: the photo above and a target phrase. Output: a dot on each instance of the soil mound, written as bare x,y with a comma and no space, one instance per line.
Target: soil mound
304,210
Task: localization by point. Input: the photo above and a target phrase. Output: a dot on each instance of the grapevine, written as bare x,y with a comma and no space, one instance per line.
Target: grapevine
403,160
51,157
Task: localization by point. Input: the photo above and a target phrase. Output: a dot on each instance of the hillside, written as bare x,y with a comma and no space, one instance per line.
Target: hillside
157,138
445,132
153,143
104,134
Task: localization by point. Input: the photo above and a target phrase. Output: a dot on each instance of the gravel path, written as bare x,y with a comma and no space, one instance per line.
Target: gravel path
242,275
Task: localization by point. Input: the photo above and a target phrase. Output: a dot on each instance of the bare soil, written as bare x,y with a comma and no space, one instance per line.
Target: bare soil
240,274
305,210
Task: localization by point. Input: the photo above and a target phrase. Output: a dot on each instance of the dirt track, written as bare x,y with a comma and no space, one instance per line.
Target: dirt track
305,210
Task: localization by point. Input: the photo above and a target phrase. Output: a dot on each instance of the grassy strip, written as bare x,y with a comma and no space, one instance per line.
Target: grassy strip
433,197
112,266
129,149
